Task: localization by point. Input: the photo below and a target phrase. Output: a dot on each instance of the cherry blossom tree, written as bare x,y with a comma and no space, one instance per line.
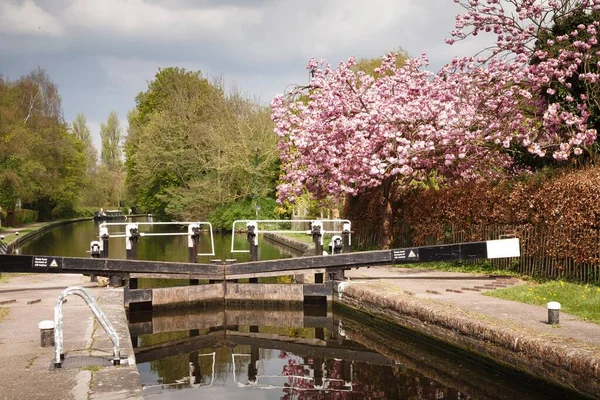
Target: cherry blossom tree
347,131
555,44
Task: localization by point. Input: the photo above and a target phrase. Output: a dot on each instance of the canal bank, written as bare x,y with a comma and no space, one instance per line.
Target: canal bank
32,231
27,368
450,307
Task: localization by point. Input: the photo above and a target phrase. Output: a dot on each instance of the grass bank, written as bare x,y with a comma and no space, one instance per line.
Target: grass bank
484,267
580,300
10,236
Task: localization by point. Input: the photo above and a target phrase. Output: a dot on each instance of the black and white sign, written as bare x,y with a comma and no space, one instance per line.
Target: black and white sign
404,255
46,262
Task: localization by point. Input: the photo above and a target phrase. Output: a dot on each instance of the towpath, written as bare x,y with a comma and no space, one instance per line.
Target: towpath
27,369
465,292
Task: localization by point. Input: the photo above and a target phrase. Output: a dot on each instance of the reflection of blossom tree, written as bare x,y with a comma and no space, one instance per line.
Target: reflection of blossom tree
368,382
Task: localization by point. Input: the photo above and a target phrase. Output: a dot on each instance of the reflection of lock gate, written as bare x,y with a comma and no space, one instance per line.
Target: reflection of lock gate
295,378
189,382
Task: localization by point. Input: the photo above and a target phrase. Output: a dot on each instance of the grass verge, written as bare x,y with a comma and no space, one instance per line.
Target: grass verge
577,299
483,267
11,237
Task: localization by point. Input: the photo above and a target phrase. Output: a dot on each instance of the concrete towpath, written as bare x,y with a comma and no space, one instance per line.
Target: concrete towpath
27,369
465,291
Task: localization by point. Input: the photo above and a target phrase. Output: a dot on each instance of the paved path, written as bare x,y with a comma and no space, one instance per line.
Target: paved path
25,366
465,291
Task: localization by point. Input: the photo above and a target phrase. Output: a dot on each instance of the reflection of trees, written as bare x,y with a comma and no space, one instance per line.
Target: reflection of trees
362,381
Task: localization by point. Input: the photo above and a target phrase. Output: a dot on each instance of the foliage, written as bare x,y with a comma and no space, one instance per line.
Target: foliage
223,216
40,163
191,148
345,139
24,216
580,300
111,142
109,179
555,213
81,131
541,44
371,66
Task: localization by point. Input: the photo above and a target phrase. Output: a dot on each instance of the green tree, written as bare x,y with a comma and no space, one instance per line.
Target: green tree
41,164
190,148
110,178
110,132
81,131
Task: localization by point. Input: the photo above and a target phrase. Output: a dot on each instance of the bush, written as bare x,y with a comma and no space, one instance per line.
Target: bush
222,218
24,216
63,210
562,205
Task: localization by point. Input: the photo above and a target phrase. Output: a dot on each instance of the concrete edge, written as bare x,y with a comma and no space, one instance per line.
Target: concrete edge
568,363
289,242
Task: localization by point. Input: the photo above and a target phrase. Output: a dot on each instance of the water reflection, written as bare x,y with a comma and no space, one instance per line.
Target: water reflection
300,354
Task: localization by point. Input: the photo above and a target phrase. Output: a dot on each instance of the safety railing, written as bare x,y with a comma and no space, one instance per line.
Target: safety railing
254,226
104,322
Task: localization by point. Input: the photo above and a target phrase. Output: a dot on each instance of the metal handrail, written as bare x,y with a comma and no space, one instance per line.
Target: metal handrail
279,231
124,234
104,322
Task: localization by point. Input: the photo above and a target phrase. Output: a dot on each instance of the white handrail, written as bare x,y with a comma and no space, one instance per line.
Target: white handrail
104,322
308,232
124,235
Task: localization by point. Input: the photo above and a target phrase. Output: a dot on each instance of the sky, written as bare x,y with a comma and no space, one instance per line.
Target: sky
101,53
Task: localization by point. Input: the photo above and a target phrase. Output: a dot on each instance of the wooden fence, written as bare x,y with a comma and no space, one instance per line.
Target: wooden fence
571,253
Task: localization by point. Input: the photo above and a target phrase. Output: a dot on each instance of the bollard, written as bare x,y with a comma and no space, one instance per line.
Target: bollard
46,333
17,251
553,312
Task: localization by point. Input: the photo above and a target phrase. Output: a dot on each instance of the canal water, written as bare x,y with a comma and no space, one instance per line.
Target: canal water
284,353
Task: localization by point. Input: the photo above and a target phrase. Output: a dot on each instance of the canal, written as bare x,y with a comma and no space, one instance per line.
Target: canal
285,353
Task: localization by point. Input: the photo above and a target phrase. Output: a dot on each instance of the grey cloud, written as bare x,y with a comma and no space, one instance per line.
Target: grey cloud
106,54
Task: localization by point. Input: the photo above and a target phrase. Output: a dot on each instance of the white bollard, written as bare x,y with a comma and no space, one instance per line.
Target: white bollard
553,312
46,333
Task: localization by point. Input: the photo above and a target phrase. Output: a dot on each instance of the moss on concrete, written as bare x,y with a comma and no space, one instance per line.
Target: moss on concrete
3,313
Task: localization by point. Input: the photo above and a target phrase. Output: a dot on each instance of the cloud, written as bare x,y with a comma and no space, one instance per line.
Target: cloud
101,53
29,19
150,21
